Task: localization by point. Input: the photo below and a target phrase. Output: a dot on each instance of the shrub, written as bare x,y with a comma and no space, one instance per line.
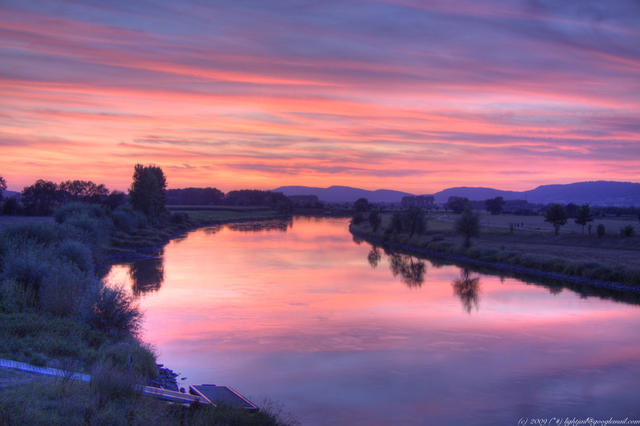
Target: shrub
627,231
115,313
67,290
600,230
30,233
76,253
27,269
130,354
90,230
109,383
127,219
179,218
66,211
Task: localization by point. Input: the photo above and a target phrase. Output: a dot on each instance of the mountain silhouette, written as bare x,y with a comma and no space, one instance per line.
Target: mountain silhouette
595,193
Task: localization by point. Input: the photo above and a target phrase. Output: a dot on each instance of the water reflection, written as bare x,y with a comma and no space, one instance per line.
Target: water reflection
374,257
146,275
337,340
410,268
467,288
267,225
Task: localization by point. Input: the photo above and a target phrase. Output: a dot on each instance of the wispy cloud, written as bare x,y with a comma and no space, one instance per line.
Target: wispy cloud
385,93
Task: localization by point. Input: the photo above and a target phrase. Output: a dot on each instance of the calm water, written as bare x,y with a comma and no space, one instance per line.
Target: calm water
342,334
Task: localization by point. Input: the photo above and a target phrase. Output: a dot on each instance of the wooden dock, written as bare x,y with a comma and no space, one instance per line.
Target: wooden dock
222,395
200,394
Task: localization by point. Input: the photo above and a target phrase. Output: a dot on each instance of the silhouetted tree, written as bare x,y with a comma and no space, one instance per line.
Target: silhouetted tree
467,289
494,205
468,224
572,210
374,220
41,198
361,205
147,192
3,186
627,231
584,216
557,216
195,196
600,230
457,204
115,199
83,190
395,227
11,206
414,221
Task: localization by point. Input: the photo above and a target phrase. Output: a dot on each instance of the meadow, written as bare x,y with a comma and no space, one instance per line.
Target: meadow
530,241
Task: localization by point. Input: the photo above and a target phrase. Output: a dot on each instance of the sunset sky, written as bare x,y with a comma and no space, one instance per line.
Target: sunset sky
397,94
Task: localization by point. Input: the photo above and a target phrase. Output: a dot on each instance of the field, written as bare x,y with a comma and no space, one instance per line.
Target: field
224,213
532,243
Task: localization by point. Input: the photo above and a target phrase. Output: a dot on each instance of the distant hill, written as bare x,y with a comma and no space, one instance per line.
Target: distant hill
595,193
344,194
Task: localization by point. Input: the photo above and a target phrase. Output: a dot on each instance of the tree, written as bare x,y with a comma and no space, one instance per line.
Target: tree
3,186
147,192
395,227
600,230
468,224
557,216
361,205
374,220
494,205
41,198
83,190
584,216
414,219
572,210
457,204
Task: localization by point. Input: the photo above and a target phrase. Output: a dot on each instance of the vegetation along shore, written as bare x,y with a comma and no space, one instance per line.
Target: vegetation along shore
55,310
536,246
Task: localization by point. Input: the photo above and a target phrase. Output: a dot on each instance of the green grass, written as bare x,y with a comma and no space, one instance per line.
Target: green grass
111,401
610,258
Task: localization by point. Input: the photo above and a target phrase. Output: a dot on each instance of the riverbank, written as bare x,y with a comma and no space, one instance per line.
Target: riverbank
610,263
56,312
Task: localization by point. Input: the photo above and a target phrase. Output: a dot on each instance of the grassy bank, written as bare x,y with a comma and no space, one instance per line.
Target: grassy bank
55,311
529,242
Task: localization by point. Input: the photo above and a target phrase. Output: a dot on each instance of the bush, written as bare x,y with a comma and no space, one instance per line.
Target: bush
600,230
27,270
115,313
66,211
90,230
126,219
30,233
627,231
109,383
179,218
130,354
76,253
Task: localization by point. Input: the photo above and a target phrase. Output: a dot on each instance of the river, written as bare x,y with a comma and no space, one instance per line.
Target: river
300,315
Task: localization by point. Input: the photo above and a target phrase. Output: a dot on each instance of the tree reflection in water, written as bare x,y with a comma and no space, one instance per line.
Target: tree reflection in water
146,275
374,257
411,269
266,225
467,289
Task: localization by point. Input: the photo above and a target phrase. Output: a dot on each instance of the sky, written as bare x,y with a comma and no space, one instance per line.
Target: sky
397,94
